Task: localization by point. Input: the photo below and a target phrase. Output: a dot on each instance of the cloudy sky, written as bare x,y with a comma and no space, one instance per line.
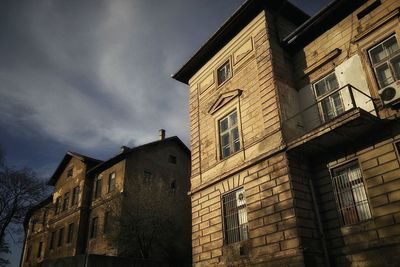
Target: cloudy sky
92,75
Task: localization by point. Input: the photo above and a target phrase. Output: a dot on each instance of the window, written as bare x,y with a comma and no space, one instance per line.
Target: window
33,224
235,217
385,59
93,227
350,194
66,200
397,145
60,236
70,172
172,159
39,252
51,245
70,233
28,253
75,195
57,206
97,188
107,218
224,72
330,104
45,215
147,176
229,134
111,182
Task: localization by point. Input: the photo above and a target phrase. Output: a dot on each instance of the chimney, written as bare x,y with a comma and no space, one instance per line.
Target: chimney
162,134
124,149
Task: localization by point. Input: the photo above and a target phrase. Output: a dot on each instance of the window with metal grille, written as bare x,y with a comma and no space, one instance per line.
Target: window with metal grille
229,134
350,194
235,217
385,59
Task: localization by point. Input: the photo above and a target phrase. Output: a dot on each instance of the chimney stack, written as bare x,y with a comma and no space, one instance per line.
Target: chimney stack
162,134
124,149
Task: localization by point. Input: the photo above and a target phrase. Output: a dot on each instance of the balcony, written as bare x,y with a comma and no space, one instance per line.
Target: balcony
338,117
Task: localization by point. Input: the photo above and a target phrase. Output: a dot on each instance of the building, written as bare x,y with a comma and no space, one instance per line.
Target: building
91,199
295,137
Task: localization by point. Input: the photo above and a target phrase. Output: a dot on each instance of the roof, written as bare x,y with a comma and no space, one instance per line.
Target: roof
112,161
231,27
64,162
30,212
329,16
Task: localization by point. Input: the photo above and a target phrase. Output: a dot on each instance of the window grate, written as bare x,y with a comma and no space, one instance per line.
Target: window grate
350,194
235,217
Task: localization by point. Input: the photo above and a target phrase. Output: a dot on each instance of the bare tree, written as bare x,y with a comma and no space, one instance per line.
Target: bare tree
151,225
20,190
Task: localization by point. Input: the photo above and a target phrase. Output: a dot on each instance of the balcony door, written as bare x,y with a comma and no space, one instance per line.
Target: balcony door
329,98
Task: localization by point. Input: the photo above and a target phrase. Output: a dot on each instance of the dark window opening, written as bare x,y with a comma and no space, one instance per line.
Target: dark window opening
66,200
57,205
52,235
107,218
111,182
60,237
172,159
70,232
93,228
70,172
97,188
369,9
39,253
75,195
147,176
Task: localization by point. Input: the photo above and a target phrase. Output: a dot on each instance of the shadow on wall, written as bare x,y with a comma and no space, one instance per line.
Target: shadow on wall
102,261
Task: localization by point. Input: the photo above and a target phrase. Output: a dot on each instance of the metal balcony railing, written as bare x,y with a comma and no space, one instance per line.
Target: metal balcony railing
327,108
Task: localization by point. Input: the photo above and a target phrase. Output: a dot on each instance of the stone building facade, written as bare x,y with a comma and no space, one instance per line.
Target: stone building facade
295,137
84,213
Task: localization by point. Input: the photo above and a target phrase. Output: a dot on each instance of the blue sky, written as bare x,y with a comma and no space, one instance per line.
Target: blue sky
92,75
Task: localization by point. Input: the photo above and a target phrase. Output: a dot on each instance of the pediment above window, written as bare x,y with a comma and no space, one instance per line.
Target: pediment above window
223,99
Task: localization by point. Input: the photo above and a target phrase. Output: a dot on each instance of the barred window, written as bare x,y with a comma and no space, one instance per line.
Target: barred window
350,194
235,217
229,134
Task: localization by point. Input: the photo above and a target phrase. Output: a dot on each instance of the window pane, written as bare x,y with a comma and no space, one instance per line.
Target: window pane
391,45
384,75
396,67
320,88
377,54
224,125
332,82
233,119
225,140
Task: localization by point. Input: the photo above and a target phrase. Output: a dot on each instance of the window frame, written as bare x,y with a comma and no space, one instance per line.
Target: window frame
65,204
229,131
328,95
97,187
58,205
230,72
242,236
94,224
60,237
111,182
387,60
360,182
75,195
106,223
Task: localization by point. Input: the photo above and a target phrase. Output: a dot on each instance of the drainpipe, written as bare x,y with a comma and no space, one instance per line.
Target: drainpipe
320,227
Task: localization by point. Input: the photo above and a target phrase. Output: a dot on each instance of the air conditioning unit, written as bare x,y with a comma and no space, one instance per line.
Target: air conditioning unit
240,199
390,93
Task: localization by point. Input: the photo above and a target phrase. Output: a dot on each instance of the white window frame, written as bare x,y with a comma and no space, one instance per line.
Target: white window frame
230,131
329,98
226,69
386,60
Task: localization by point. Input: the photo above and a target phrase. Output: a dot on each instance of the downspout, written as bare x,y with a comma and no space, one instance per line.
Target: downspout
320,227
